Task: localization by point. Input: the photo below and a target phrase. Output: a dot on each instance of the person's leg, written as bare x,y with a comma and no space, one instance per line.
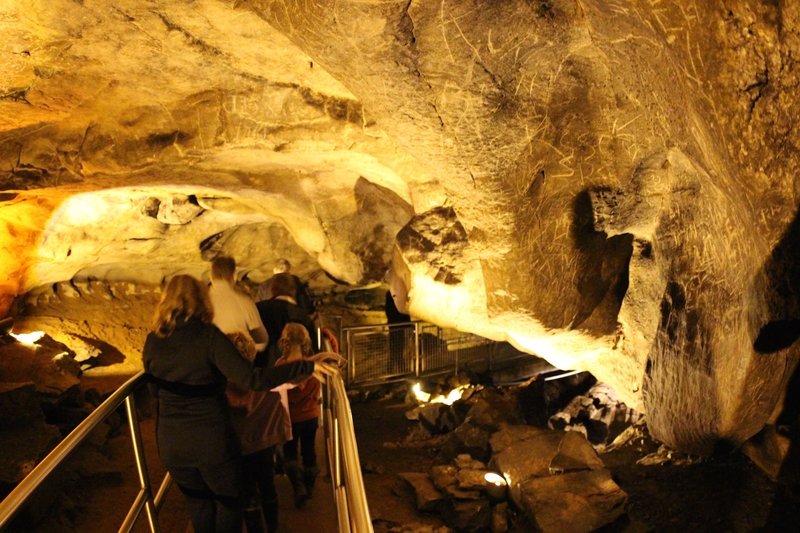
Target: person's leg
200,502
293,469
266,486
253,513
226,482
307,433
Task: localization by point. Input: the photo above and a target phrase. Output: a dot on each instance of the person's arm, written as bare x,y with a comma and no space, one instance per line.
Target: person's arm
260,338
258,332
237,370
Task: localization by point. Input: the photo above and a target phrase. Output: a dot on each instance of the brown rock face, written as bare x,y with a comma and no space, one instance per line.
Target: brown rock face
609,185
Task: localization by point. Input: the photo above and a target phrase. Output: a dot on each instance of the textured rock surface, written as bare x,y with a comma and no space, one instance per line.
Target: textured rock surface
573,503
609,185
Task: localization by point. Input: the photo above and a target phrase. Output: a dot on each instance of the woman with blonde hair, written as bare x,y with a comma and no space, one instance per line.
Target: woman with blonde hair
189,360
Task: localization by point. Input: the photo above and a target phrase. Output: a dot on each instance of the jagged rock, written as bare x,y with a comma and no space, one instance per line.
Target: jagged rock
598,414
572,503
574,453
469,479
426,496
82,350
542,454
177,210
510,434
540,399
664,456
438,418
491,409
19,403
23,447
500,518
465,460
50,369
467,516
445,478
466,439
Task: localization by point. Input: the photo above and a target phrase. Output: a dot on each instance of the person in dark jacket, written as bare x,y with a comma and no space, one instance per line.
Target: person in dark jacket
302,296
281,309
398,334
189,360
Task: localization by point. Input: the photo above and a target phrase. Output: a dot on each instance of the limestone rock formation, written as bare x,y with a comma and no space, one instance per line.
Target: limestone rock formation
609,185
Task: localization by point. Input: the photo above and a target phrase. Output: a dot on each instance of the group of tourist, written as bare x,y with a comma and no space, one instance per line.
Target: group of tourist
233,380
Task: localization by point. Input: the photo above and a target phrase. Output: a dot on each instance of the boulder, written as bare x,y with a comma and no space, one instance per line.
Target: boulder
438,418
598,414
467,516
445,478
24,445
19,403
541,455
572,503
426,495
466,439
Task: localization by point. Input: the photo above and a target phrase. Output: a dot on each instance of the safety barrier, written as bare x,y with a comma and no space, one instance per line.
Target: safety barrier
386,352
144,498
345,467
343,462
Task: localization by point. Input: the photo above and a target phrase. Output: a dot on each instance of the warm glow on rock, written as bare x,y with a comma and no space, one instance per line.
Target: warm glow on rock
495,479
452,396
28,339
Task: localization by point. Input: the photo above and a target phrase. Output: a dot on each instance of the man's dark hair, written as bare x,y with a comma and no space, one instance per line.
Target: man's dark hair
223,267
283,285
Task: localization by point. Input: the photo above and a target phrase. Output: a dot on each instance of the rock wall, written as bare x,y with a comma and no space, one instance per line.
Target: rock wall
609,185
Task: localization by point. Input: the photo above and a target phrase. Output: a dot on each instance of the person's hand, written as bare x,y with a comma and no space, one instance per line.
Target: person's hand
323,370
330,358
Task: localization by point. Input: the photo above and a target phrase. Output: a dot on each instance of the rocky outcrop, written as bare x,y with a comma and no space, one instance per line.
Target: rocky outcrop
610,187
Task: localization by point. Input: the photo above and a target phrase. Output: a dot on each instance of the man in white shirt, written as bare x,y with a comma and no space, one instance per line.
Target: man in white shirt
234,310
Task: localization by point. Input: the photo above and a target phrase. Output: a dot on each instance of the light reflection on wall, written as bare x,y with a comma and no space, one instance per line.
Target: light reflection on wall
23,221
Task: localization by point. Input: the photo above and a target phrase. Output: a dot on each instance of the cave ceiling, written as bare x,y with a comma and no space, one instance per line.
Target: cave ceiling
610,185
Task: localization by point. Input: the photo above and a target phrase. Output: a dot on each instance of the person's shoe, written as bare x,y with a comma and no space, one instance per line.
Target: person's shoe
295,474
309,477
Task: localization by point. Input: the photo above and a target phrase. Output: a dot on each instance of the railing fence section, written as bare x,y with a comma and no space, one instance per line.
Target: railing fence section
386,352
144,498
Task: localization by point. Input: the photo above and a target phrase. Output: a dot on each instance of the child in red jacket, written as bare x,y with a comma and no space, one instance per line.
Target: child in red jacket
304,408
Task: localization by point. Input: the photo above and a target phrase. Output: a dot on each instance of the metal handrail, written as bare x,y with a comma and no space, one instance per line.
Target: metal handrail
144,498
382,325
349,494
344,463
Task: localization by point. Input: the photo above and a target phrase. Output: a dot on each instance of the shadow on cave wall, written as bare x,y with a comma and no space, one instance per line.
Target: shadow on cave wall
603,271
781,274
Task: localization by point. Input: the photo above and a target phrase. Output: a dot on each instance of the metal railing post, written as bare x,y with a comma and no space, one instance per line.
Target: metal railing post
417,351
458,351
141,466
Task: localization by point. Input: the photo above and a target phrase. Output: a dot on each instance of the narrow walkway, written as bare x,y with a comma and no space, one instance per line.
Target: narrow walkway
100,503
319,513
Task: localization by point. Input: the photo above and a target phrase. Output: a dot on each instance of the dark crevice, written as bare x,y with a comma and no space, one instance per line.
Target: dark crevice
16,94
194,41
777,335
604,268
756,89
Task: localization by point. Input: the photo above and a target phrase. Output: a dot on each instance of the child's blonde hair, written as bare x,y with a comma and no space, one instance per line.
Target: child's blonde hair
294,334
